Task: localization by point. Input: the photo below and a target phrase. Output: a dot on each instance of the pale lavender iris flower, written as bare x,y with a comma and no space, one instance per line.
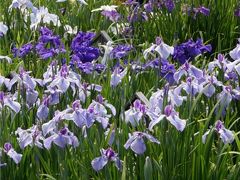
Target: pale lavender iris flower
29,137
225,134
107,155
136,142
7,100
8,149
62,138
172,116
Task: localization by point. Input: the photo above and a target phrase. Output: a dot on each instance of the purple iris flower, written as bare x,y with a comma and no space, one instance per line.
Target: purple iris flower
226,135
49,45
235,53
80,116
52,125
7,101
136,142
107,155
31,96
62,138
135,113
8,149
188,70
82,39
43,110
113,15
172,116
191,86
220,62
22,51
202,10
187,51
29,137
120,51
83,52
64,78
167,69
100,112
207,86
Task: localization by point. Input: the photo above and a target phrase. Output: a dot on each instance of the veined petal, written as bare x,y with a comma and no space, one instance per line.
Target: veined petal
138,146
226,135
15,106
99,162
14,155
154,122
177,122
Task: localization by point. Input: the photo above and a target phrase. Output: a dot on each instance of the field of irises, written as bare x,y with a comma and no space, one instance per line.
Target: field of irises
110,89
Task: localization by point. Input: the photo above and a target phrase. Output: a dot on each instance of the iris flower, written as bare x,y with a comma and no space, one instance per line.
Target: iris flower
226,135
161,48
172,116
106,156
117,76
6,100
31,136
61,138
136,142
8,149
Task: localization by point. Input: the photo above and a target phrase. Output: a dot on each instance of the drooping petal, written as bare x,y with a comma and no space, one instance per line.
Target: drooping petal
48,141
15,106
156,121
14,155
226,135
177,122
138,146
48,127
99,162
151,138
42,112
129,142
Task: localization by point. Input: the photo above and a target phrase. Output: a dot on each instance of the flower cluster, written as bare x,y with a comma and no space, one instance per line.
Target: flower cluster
187,51
49,45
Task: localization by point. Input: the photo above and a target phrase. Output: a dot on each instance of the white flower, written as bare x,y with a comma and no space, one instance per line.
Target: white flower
106,8
43,15
22,5
9,60
3,28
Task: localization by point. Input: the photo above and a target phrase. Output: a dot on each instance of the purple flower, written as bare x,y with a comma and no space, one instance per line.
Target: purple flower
8,149
109,12
237,12
106,156
62,138
136,142
188,70
235,53
7,101
49,45
80,116
135,113
120,51
63,79
31,136
172,116
22,51
187,51
43,110
226,135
